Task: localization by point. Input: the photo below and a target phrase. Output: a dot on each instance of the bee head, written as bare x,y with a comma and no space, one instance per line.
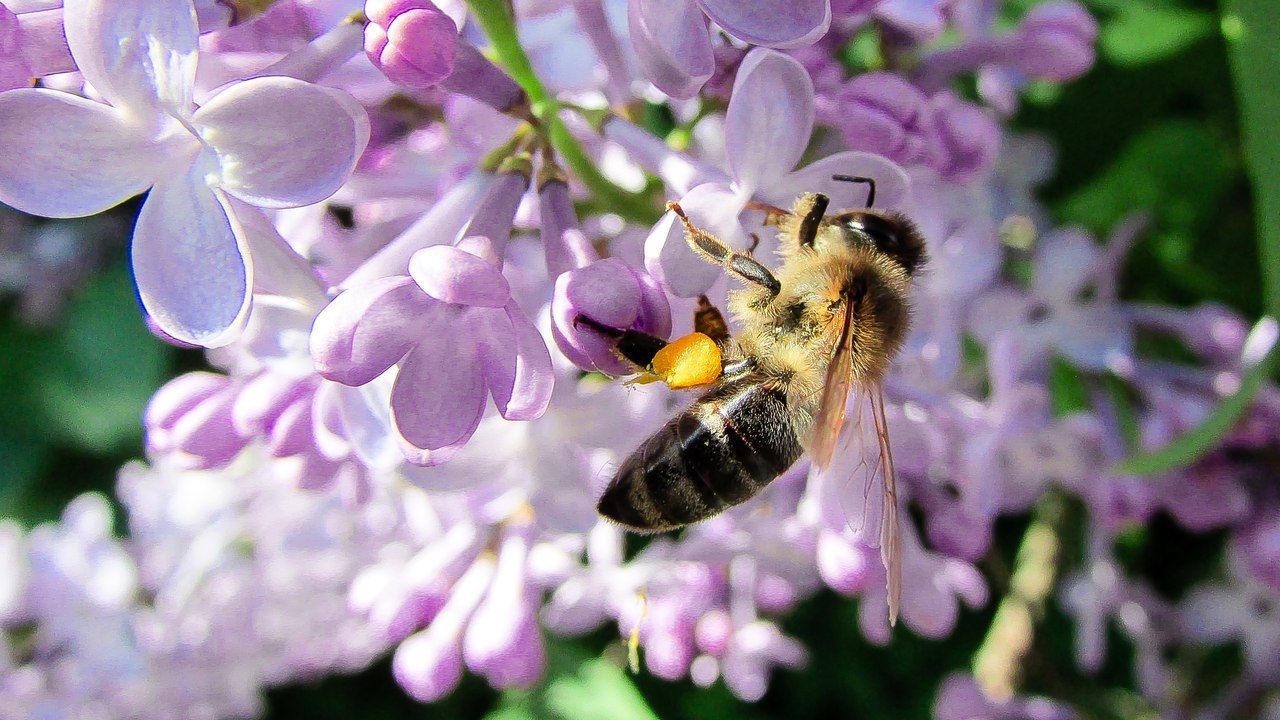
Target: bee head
889,233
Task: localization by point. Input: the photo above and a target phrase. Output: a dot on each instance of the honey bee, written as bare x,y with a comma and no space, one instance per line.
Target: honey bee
826,324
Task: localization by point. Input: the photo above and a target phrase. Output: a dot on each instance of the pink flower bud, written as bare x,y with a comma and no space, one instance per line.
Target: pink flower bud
411,41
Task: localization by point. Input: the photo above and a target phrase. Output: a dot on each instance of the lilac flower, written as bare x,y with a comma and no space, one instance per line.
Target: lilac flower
763,140
613,294
1092,334
439,393
193,159
1053,41
884,113
960,698
673,43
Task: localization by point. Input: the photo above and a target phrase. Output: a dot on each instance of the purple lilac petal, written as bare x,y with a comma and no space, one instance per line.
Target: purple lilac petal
65,156
528,394
563,243
154,72
772,23
1056,41
968,138
14,70
769,120
679,171
283,142
918,19
173,401
885,114
456,276
673,43
439,396
411,41
184,225
44,43
366,330
1065,261
602,291
893,186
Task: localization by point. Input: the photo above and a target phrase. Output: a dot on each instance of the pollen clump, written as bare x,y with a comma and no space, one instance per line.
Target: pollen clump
688,361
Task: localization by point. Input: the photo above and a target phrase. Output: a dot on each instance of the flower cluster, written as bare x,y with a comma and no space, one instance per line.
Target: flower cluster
402,260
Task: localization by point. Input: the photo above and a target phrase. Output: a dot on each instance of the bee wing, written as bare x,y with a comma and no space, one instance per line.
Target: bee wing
890,536
835,394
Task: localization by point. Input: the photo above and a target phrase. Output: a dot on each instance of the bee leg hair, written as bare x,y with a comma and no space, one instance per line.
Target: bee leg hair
709,247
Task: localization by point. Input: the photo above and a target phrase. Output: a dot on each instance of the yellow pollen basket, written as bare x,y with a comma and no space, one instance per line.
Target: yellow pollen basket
688,362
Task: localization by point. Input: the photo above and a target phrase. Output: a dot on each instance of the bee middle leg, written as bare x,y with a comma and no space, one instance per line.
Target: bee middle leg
708,246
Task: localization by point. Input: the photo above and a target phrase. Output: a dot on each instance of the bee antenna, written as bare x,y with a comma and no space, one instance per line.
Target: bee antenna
871,194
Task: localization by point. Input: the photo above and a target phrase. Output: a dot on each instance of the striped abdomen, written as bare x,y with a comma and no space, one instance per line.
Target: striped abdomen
721,451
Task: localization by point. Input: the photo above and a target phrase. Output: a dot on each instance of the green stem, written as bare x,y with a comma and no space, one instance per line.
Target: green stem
495,19
1248,26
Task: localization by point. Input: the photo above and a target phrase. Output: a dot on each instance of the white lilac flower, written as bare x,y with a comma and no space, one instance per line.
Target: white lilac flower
68,156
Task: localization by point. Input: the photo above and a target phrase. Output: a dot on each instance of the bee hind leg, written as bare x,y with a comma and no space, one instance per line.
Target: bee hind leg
708,321
637,348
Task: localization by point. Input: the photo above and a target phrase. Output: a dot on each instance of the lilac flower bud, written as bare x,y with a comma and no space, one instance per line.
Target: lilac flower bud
1055,41
884,114
411,41
615,295
967,138
502,641
428,665
190,418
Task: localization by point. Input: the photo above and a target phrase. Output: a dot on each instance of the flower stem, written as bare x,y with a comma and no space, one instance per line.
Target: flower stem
998,664
495,19
1254,66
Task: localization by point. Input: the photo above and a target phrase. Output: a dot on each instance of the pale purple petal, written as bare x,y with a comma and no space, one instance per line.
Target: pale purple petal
524,394
15,72
668,257
884,113
1064,262
1091,336
65,156
772,23
439,395
893,187
368,329
174,400
769,120
999,311
451,275
139,54
605,292
673,43
919,19
190,265
282,142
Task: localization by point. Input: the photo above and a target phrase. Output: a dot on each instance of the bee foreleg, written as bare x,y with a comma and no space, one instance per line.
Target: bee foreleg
709,247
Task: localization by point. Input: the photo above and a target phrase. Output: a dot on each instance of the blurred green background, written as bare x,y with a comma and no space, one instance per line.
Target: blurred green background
1156,125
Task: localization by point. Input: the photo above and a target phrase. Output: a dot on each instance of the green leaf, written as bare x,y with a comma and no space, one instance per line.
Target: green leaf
102,367
1142,34
598,691
1249,27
